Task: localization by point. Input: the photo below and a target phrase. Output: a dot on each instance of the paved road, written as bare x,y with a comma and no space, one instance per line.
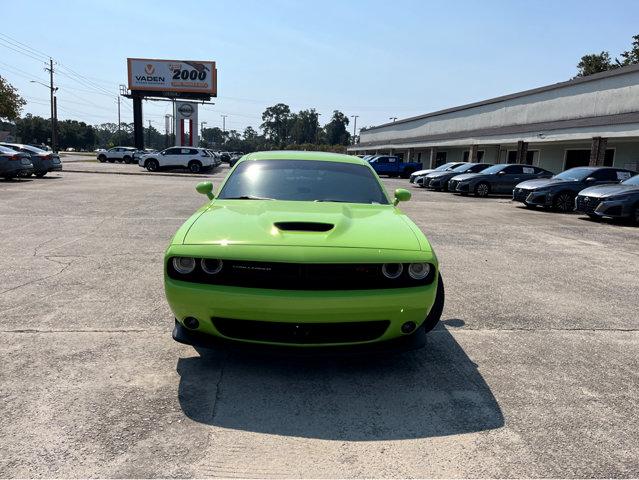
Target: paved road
534,371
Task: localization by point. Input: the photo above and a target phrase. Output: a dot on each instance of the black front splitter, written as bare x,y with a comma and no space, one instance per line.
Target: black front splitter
405,343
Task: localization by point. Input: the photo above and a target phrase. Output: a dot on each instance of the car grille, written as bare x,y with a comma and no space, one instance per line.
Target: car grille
452,184
300,276
461,187
520,194
300,333
587,204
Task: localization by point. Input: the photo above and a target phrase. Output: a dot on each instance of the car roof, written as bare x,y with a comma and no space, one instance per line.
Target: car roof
304,155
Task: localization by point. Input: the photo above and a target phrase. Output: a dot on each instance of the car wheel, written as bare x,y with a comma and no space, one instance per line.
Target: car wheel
482,189
40,174
151,165
195,166
438,307
127,159
102,158
565,202
635,215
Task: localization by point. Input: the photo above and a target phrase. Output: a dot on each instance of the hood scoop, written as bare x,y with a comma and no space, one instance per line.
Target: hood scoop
304,226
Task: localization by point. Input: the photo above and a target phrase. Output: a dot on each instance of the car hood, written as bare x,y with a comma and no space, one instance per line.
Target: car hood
440,174
421,172
545,182
260,222
608,190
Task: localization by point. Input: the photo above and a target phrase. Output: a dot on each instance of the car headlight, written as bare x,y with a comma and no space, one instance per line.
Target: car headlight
211,265
392,270
184,265
418,271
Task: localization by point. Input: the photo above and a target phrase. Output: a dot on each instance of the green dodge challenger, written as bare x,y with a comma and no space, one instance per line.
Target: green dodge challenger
303,250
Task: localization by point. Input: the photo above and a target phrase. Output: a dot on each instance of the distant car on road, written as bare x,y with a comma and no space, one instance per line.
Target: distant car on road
439,180
194,159
612,201
559,192
43,161
14,163
498,179
392,166
116,154
420,173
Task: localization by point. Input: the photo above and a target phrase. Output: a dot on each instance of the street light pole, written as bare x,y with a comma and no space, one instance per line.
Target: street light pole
223,123
355,117
54,110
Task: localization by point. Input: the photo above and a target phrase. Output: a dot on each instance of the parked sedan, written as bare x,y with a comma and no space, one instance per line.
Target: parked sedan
612,201
420,173
14,163
43,161
496,179
439,180
559,192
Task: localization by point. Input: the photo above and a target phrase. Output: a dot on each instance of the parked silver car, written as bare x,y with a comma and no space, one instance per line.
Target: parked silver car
43,161
14,163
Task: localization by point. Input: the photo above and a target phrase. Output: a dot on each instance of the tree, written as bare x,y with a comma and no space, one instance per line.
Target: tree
33,129
276,124
335,130
594,63
10,102
630,57
212,137
305,127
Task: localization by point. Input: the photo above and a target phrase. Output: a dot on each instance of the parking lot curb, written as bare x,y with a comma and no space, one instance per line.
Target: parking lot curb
145,174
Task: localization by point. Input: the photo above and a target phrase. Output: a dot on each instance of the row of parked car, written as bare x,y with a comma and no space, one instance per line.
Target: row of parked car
599,192
195,159
21,160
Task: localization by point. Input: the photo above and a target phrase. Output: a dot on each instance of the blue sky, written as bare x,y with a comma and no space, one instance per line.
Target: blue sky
375,59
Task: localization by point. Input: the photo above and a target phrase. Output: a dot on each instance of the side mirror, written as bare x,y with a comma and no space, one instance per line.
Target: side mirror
205,188
501,172
590,179
401,195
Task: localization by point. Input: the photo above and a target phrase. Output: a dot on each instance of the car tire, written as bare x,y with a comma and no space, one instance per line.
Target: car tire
482,190
530,207
102,158
635,214
151,165
127,159
195,166
564,202
438,307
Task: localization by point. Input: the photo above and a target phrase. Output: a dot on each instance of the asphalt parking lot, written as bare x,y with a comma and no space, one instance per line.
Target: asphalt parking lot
534,371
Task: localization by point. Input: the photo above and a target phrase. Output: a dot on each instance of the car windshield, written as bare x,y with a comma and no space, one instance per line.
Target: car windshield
578,173
463,168
494,169
632,181
303,180
443,167
6,150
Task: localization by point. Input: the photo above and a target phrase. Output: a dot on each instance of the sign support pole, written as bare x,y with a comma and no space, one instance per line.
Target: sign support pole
138,130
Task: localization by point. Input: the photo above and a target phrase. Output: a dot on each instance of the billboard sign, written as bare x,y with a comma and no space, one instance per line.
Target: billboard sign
174,76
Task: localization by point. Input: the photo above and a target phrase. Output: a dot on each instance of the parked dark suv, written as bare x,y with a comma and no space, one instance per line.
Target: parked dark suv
559,192
14,164
43,160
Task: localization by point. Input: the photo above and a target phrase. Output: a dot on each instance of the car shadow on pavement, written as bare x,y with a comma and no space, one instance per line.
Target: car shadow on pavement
436,391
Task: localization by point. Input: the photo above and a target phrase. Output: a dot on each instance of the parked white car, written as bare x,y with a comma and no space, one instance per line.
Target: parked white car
119,154
194,159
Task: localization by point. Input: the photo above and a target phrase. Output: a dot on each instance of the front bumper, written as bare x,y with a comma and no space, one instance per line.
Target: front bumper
540,199
602,208
207,303
462,187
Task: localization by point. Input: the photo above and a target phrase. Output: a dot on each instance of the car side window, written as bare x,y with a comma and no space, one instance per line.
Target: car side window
382,159
513,169
172,151
392,159
605,175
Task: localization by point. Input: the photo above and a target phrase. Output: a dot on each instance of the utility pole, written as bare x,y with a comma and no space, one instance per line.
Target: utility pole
148,136
354,117
224,123
54,118
119,121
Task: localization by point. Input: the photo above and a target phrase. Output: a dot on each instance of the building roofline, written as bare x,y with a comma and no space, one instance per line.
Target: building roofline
511,96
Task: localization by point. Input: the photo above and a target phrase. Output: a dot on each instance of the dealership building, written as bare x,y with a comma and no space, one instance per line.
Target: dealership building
591,120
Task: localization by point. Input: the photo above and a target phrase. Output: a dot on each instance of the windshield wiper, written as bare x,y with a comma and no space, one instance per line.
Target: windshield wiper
247,197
